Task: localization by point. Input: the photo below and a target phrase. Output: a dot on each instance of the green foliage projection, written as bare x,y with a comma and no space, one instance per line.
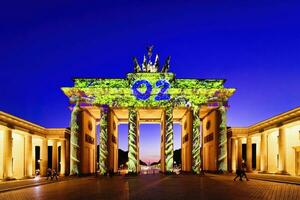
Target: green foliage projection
196,141
118,93
132,141
103,141
75,140
222,142
169,146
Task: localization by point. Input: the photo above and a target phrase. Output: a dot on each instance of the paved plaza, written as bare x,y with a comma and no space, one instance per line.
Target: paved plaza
156,187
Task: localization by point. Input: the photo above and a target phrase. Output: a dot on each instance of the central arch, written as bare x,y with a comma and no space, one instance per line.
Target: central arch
158,116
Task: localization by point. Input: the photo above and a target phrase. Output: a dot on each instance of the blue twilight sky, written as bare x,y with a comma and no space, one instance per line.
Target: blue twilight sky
255,45
149,140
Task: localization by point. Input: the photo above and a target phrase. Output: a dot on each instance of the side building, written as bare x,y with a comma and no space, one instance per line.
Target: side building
270,146
27,148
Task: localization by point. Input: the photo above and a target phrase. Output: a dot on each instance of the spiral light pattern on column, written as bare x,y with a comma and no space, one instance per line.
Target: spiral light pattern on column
169,140
103,140
196,141
132,141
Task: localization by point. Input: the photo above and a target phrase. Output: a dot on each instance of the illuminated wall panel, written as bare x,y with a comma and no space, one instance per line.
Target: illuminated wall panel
88,143
184,143
210,128
113,142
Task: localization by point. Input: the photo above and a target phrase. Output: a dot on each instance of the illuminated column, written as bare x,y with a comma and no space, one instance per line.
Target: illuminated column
33,160
258,155
249,154
103,161
169,139
54,155
68,156
263,153
196,141
75,140
234,154
63,157
222,142
7,154
28,155
132,141
282,150
44,157
240,153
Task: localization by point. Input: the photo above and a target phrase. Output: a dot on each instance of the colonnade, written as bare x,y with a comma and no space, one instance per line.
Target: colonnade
17,154
271,150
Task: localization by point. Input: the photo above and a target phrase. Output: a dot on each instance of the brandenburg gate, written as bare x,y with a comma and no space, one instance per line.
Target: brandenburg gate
148,95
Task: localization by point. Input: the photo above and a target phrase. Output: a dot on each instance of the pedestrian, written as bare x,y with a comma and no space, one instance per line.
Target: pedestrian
48,173
244,168
238,174
54,174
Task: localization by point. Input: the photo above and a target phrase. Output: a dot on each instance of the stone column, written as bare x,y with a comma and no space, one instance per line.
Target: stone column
44,157
75,140
222,142
63,157
28,155
282,150
234,154
54,155
169,143
68,156
103,157
263,153
7,154
258,156
33,160
249,154
196,141
240,153
132,141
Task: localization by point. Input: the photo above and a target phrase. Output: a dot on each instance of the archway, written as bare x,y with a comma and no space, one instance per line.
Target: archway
150,148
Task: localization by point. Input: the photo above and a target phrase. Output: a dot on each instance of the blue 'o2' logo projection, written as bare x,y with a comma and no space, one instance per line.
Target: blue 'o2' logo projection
161,95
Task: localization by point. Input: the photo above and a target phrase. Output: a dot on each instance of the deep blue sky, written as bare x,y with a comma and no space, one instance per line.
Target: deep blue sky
255,45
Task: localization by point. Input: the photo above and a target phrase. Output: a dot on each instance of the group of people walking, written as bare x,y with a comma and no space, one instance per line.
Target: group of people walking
51,173
241,172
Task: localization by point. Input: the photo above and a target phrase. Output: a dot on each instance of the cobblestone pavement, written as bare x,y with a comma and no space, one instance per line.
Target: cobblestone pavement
158,187
15,184
275,178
